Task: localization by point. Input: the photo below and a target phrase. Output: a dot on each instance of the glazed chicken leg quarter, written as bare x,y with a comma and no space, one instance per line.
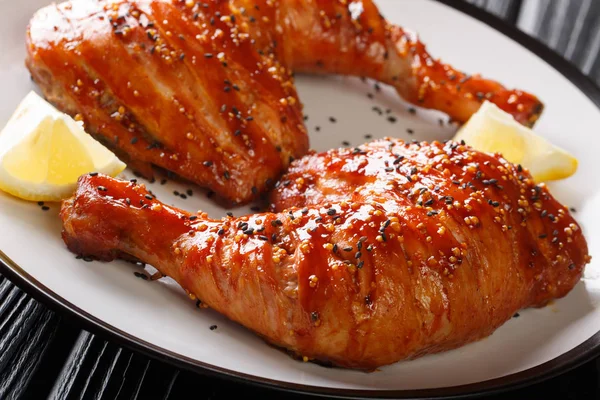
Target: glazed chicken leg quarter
376,254
205,89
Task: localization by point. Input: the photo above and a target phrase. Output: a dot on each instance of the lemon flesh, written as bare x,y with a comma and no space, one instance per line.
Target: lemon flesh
43,152
493,130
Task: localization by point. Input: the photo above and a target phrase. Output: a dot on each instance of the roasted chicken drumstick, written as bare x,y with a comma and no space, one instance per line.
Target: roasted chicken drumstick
376,254
205,89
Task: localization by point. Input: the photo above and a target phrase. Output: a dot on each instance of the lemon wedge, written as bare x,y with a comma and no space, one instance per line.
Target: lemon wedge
44,151
493,130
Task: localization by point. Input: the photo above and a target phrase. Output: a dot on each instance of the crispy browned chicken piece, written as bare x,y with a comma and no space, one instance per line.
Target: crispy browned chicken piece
386,252
205,89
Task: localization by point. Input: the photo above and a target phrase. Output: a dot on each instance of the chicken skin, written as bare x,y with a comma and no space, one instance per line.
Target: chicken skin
205,90
372,255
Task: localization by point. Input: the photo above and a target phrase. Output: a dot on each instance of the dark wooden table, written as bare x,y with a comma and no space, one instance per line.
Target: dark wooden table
45,355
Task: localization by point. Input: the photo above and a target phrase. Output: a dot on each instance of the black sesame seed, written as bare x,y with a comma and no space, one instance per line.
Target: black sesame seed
276,222
317,128
226,175
229,214
543,236
249,118
175,192
348,248
141,275
410,131
571,266
314,316
263,237
213,327
358,254
516,315
148,197
346,143
248,231
331,211
45,208
208,55
273,237
554,239
360,264
102,189
91,174
87,259
332,120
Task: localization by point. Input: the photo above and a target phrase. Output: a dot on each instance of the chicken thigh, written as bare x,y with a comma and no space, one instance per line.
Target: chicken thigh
371,255
205,90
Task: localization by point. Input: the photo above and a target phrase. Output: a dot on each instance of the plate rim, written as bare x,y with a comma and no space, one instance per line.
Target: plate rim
580,354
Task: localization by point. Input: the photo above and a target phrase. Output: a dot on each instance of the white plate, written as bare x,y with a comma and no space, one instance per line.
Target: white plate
160,320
